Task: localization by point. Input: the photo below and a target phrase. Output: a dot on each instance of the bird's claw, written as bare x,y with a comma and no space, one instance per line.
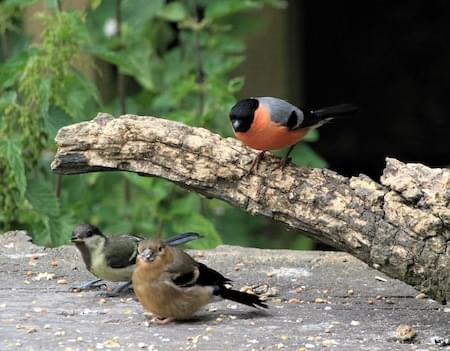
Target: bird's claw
161,321
119,290
283,163
255,163
94,284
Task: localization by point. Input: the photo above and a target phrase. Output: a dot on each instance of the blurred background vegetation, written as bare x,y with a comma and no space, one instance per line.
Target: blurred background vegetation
63,61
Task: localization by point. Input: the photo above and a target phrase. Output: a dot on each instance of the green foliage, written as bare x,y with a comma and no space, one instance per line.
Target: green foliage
178,59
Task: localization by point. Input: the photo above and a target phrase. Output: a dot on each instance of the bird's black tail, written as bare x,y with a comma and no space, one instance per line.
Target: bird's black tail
336,111
241,297
316,118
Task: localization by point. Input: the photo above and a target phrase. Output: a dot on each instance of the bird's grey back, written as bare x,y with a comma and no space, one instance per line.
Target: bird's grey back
281,110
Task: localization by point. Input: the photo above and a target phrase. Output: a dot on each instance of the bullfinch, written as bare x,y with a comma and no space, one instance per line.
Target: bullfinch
112,258
171,285
269,123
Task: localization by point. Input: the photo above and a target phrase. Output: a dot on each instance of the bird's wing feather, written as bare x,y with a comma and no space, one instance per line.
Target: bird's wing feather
183,269
282,112
187,272
121,251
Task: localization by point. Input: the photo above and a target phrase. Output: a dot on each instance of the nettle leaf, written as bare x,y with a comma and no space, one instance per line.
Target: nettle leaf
305,156
137,63
195,222
52,231
78,93
139,12
220,8
11,150
312,136
6,99
236,84
95,4
57,119
185,205
44,92
11,70
134,62
19,3
53,4
41,196
60,229
173,11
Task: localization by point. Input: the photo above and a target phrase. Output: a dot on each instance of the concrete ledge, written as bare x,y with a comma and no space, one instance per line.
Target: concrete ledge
322,300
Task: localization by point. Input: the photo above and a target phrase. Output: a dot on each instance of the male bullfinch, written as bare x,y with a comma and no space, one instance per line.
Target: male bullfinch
268,123
171,285
112,258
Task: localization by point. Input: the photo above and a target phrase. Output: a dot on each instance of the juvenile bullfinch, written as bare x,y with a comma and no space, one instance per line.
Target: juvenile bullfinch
172,285
112,258
268,123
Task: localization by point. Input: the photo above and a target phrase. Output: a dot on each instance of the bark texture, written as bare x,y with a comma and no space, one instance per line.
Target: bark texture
400,227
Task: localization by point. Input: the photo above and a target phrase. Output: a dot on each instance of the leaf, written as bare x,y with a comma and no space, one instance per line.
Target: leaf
185,205
195,222
173,11
41,196
6,99
138,13
44,92
53,231
134,62
19,3
218,9
236,84
77,95
12,151
52,4
95,4
305,156
12,69
56,119
312,135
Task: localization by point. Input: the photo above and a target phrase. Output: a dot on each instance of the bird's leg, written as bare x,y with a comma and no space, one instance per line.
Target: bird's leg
286,159
255,162
162,321
121,289
89,285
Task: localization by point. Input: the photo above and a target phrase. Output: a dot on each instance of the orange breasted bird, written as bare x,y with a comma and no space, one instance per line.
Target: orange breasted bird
269,123
171,285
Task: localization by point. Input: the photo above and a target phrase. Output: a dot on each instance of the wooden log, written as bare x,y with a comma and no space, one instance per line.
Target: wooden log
400,227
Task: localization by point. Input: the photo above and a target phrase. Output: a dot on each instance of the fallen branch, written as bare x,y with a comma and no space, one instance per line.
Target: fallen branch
401,226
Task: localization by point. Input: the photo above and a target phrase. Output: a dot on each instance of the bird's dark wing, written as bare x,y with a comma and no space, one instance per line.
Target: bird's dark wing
208,276
201,275
121,251
282,112
187,272
183,238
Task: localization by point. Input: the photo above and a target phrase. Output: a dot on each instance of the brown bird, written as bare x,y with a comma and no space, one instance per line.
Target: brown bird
172,285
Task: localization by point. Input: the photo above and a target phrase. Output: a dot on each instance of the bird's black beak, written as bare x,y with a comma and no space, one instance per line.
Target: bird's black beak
148,255
236,123
75,238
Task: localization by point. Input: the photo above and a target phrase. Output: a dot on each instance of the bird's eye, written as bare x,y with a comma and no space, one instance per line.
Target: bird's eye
160,248
89,233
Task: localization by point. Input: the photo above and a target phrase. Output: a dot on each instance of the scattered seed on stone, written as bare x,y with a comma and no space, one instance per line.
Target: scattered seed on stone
381,279
421,296
294,301
405,333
